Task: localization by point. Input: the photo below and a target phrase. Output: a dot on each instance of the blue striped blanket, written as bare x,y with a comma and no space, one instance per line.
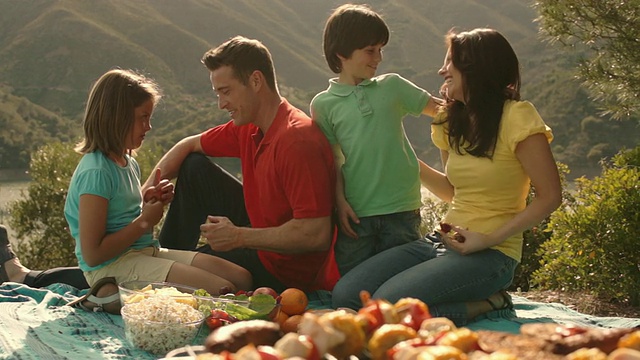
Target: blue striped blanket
34,324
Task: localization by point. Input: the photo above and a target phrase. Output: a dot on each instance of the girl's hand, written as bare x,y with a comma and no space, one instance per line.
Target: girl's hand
346,213
152,212
165,191
162,190
464,241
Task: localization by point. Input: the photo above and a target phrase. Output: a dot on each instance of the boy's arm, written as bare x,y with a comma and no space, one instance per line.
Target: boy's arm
435,181
431,109
345,212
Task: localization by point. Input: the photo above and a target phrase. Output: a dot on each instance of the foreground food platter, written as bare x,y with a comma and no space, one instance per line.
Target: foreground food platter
406,331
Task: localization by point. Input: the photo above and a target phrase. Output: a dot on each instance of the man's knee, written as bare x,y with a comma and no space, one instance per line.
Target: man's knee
194,161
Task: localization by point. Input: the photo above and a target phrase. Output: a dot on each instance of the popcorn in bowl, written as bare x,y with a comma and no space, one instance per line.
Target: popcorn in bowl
158,324
159,318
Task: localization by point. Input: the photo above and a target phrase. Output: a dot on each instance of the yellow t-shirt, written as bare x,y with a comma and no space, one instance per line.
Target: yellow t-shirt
490,192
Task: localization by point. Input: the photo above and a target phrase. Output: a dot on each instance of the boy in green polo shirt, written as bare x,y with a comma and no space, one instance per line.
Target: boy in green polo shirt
378,189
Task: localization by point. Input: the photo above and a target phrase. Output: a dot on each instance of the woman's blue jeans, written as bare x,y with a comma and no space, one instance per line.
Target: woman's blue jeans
426,270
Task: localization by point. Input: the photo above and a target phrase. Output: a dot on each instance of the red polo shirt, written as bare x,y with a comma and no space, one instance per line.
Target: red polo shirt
288,173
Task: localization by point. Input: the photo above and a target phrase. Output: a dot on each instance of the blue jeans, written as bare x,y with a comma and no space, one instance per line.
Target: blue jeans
426,270
375,235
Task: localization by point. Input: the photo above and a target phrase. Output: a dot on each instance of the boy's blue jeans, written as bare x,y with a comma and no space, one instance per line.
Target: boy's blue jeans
376,234
426,270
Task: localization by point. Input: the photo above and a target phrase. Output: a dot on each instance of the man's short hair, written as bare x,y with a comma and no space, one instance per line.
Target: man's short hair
244,56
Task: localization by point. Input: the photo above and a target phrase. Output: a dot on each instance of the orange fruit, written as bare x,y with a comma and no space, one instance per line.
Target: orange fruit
293,301
291,324
281,318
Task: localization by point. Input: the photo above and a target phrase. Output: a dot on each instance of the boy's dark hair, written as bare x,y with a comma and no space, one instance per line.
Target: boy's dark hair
351,27
244,56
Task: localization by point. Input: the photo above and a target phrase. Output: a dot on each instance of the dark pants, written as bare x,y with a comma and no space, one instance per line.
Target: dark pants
204,188
67,275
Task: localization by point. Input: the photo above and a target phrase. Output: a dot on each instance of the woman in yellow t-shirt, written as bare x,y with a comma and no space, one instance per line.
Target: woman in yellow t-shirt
493,146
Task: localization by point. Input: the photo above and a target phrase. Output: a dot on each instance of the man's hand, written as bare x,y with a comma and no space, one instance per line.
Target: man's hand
221,233
162,190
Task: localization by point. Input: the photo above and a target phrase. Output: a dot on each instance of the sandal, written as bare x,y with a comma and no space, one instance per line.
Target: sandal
507,302
110,303
6,253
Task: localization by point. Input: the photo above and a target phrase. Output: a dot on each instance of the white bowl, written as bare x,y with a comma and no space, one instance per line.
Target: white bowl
159,317
170,330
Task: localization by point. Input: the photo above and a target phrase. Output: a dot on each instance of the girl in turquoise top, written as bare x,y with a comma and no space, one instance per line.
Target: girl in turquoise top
110,219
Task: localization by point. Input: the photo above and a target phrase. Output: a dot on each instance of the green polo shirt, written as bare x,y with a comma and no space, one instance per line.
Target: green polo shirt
381,171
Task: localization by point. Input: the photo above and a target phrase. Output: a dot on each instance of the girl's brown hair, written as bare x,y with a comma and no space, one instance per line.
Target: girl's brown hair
110,111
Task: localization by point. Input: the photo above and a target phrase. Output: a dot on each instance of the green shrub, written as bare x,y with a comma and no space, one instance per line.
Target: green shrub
38,219
432,212
594,242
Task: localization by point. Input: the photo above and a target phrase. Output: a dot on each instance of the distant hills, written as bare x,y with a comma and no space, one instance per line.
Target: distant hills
51,52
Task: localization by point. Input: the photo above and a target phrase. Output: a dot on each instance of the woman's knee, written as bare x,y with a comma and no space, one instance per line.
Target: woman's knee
346,294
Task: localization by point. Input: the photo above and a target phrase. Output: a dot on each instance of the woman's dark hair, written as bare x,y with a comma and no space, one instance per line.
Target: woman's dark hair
351,27
490,76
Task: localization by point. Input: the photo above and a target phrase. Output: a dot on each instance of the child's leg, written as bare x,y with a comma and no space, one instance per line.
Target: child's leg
227,273
350,252
198,278
239,276
398,229
158,265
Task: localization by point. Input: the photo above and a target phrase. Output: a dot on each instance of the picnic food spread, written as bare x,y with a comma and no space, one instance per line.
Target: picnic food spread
404,331
248,326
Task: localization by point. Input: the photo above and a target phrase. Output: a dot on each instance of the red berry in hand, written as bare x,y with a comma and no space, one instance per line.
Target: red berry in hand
459,237
445,227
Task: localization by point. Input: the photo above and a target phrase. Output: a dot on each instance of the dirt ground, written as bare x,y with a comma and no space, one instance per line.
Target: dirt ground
584,303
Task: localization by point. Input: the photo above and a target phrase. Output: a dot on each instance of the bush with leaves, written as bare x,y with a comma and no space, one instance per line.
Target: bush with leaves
38,218
594,246
432,212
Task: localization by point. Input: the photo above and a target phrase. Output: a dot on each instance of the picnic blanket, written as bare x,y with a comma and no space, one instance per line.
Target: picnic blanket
34,324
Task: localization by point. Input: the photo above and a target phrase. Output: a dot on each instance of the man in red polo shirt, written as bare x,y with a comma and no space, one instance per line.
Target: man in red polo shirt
277,223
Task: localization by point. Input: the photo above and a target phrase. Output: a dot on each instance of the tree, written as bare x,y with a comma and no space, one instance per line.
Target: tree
609,31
